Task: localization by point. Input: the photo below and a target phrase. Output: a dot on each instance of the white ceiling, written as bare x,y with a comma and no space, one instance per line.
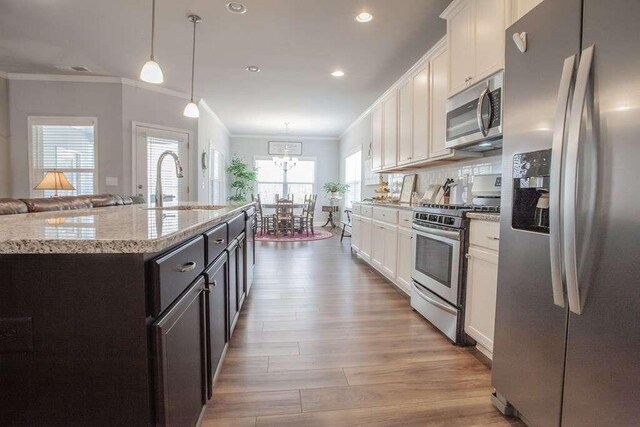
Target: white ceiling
297,43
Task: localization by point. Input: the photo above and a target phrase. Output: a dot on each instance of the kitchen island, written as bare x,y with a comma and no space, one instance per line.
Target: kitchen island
119,315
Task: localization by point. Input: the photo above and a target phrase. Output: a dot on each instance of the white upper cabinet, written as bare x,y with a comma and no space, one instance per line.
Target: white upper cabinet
405,125
420,119
460,41
390,130
376,138
475,35
438,86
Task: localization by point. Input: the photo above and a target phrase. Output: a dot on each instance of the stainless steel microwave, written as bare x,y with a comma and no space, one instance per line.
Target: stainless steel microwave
474,117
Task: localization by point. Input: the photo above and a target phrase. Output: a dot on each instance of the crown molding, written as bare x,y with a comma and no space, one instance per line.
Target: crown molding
277,137
421,62
154,88
213,114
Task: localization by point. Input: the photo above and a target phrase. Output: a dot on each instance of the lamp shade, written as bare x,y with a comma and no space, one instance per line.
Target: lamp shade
54,180
191,110
151,72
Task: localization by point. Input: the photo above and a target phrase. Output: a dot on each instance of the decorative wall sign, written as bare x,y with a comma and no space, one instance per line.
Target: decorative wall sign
408,187
281,148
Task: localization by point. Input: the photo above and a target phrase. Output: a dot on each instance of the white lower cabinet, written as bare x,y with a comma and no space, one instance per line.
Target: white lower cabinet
482,284
384,245
365,238
405,246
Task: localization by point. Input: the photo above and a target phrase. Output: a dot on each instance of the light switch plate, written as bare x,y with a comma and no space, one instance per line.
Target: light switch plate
112,181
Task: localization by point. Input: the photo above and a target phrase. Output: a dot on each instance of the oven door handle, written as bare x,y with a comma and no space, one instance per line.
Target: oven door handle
484,129
455,235
432,301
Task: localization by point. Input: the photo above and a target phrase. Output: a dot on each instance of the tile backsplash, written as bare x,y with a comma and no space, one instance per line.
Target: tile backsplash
438,174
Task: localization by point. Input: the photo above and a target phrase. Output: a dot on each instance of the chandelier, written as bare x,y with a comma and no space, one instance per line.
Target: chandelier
285,162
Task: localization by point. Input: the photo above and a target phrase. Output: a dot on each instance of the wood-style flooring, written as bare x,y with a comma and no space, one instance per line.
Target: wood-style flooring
323,340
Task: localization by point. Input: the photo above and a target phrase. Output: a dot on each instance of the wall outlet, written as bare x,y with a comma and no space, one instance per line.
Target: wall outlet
16,335
112,181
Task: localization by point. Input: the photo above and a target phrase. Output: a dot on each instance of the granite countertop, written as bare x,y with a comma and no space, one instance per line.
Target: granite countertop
484,216
404,206
120,229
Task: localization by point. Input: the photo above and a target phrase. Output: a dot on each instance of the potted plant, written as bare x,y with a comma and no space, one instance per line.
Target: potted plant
335,189
243,178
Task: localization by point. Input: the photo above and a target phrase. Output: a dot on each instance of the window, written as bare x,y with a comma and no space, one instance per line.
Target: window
217,175
353,178
273,180
66,144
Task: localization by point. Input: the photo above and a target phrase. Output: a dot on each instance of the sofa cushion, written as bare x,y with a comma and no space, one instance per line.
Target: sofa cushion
104,200
12,206
57,204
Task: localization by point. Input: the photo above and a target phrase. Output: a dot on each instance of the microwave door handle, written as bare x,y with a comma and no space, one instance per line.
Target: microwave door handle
483,128
571,179
555,213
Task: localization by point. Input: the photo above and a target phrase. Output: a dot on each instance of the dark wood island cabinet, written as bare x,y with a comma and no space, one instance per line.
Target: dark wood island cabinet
133,334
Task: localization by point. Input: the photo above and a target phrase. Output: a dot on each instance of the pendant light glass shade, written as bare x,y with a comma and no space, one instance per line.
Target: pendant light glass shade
191,110
151,72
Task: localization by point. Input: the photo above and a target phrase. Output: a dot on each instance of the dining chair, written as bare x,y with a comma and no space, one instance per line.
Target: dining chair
346,223
261,218
302,220
283,218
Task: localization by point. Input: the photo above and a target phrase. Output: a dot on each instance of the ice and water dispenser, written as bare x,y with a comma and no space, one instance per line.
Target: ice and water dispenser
531,175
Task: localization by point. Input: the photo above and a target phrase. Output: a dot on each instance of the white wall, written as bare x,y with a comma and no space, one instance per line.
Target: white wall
210,130
325,152
116,106
5,175
56,98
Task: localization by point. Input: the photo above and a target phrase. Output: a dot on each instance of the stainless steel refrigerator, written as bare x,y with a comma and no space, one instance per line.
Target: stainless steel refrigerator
567,336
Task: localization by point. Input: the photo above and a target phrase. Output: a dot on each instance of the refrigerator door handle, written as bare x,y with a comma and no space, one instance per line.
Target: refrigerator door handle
555,192
571,180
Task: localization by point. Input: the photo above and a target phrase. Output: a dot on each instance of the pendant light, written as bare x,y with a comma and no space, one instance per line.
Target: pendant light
151,72
191,110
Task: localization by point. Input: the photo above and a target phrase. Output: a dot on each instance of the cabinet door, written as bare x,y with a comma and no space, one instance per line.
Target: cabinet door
180,359
489,38
461,46
390,130
355,232
232,295
217,288
482,283
403,277
420,122
390,261
405,126
365,238
438,88
376,138
240,265
377,245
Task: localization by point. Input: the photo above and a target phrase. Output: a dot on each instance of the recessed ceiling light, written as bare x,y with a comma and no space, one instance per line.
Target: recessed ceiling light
364,17
253,69
338,73
238,8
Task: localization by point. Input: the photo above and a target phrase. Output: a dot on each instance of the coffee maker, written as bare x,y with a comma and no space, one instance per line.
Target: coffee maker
531,177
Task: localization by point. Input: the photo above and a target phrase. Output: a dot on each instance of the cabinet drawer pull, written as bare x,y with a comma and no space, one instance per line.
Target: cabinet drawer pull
191,265
219,241
493,238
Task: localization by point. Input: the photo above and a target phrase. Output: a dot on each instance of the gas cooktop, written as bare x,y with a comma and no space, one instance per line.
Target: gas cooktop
466,208
447,215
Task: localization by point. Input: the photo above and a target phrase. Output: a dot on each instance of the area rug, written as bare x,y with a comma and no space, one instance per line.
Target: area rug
297,237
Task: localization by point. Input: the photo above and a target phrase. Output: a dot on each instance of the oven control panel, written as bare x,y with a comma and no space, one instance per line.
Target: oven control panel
437,219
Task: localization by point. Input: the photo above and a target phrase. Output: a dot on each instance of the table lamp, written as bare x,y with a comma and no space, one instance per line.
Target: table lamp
54,180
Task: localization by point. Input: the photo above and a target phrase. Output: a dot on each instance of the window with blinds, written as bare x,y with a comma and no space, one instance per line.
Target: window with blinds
67,145
353,178
297,182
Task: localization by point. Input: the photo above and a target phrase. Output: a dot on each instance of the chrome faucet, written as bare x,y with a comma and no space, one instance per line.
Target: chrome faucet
159,194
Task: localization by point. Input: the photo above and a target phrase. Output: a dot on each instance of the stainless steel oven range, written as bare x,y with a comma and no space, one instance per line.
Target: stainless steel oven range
438,272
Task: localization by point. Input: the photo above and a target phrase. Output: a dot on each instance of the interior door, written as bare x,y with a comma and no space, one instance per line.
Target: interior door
529,340
150,144
602,374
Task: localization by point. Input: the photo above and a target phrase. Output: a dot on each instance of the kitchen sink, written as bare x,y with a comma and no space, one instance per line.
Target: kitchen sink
188,208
